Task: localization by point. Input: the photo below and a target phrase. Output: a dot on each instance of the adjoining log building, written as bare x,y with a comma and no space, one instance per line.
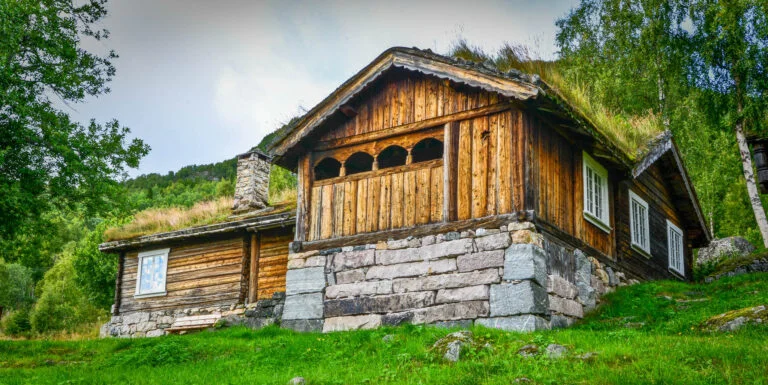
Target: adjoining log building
430,190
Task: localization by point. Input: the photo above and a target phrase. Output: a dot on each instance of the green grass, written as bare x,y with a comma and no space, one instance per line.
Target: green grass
641,337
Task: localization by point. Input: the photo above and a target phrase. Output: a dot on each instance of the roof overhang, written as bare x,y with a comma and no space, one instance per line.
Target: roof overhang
512,84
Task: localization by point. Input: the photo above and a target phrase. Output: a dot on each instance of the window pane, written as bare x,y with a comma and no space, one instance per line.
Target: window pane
152,274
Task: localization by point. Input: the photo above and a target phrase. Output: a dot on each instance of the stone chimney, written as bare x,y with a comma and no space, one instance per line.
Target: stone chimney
252,188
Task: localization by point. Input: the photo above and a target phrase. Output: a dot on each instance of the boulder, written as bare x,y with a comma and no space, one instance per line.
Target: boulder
555,351
724,248
450,346
736,319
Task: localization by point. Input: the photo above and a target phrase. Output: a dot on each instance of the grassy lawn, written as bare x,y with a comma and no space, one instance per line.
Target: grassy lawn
644,334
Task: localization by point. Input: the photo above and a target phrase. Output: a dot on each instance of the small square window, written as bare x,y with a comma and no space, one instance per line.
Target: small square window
638,223
152,269
675,248
596,205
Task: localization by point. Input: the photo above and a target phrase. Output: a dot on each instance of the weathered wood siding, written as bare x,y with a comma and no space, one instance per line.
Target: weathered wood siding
202,274
651,187
272,261
554,186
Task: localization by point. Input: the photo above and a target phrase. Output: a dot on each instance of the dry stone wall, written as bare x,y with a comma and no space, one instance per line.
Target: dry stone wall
492,277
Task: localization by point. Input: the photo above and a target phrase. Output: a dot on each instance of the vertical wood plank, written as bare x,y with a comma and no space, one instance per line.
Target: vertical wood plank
423,195
432,98
492,185
479,166
464,180
326,217
504,164
385,200
450,166
372,212
314,218
409,201
338,209
397,201
350,207
362,205
253,279
303,197
419,100
436,195
519,158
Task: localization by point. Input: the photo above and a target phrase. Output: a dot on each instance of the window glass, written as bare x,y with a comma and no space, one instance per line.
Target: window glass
152,272
675,247
596,206
638,217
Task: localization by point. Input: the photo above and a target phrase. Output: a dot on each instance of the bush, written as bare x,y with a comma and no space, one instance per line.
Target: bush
15,286
16,323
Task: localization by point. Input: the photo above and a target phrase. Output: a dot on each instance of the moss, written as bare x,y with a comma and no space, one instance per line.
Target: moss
731,264
749,315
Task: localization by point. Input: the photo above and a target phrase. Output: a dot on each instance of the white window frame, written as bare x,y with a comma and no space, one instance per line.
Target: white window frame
149,254
600,219
673,249
640,242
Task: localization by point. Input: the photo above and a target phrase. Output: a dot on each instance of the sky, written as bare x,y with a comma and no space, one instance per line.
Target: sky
201,81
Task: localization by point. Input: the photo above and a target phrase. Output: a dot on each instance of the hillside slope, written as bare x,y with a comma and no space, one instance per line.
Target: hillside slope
647,333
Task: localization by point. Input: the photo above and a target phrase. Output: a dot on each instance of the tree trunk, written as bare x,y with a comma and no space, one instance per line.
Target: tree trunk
749,175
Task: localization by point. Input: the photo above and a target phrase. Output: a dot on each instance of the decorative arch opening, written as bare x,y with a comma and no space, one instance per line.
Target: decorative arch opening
358,162
327,168
427,149
392,156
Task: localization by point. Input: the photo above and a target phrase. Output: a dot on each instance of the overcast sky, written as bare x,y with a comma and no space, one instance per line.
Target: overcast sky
201,81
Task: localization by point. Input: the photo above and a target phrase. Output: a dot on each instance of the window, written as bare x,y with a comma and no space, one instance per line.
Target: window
675,247
638,223
358,162
427,149
327,168
151,275
392,156
596,209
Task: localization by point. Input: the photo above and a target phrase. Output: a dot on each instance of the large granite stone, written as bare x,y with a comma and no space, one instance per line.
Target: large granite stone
358,288
525,261
378,304
396,256
587,295
447,281
565,306
350,276
303,306
561,287
493,242
337,324
353,259
446,249
470,293
451,311
724,248
481,260
521,323
411,269
526,297
307,280
303,325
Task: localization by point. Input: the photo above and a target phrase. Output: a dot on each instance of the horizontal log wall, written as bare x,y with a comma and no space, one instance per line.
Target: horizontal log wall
202,274
273,261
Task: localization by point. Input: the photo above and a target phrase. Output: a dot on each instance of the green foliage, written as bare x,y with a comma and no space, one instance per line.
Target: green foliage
61,303
49,161
95,272
280,181
16,286
669,348
16,323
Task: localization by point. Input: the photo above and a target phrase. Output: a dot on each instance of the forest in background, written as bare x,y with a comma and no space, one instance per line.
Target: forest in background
653,59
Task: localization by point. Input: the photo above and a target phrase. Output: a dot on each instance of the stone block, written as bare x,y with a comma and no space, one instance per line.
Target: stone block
353,259
303,255
561,287
395,256
480,260
307,280
396,319
516,226
481,232
378,304
411,269
397,244
428,240
338,324
521,323
525,261
450,236
456,324
303,306
451,311
470,293
446,249
586,294
135,318
525,297
492,242
557,321
296,263
447,281
303,325
358,288
317,260
350,276
565,306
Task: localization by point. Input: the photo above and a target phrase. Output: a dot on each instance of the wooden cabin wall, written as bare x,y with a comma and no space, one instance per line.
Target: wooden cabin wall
271,262
651,187
206,273
554,186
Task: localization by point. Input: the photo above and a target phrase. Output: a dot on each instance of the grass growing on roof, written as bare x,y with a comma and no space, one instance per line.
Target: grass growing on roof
631,134
647,333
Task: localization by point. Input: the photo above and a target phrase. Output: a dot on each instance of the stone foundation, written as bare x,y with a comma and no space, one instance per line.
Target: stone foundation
493,277
154,323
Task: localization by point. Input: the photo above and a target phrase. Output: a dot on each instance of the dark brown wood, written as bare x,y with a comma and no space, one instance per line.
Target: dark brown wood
253,277
118,283
450,157
245,269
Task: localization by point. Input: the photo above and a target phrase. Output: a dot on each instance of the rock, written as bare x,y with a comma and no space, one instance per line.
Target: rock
555,351
736,319
525,297
469,293
516,226
612,280
388,338
397,319
303,306
520,323
724,248
353,259
350,276
523,380
525,262
308,280
565,306
450,236
297,381
303,325
561,287
481,260
588,356
451,345
396,256
337,324
446,249
358,289
446,281
411,269
428,240
377,304
451,312
493,242
529,350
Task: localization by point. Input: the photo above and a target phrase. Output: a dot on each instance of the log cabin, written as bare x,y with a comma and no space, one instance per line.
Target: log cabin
430,190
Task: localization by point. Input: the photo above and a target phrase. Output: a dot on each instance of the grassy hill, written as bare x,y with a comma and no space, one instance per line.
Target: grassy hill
648,333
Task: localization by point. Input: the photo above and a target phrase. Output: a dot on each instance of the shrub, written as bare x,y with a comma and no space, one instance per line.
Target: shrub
15,286
16,323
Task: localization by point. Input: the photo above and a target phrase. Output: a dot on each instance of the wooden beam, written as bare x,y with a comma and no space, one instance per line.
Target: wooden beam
419,230
304,182
450,158
415,126
253,279
119,283
245,272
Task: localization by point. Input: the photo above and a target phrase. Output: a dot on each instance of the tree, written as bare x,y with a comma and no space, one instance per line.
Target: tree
47,160
732,51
